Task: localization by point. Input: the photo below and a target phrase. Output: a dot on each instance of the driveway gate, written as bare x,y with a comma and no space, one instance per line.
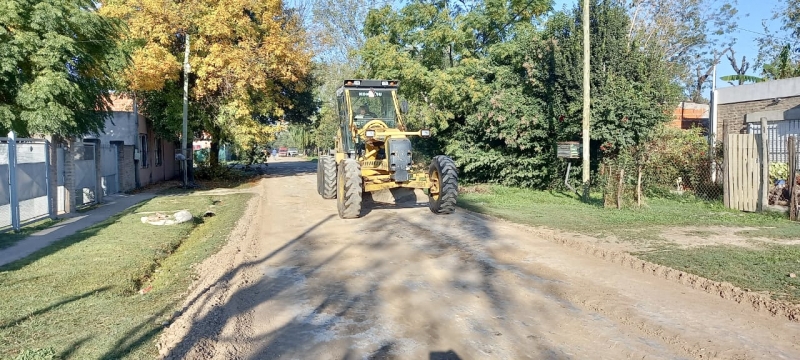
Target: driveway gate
85,175
25,192
108,169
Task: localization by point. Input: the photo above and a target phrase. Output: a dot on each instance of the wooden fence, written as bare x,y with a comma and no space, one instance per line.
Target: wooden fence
742,172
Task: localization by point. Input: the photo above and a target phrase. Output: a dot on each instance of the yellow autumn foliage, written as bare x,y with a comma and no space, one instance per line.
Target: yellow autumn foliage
243,53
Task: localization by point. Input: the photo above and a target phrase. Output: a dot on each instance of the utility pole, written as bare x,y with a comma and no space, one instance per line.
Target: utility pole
712,126
185,133
586,100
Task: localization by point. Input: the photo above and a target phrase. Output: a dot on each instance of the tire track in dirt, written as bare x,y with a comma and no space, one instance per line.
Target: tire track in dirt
295,281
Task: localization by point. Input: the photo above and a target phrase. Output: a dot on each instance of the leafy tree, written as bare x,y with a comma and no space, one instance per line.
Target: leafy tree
336,29
692,35
462,68
783,66
249,60
632,88
56,59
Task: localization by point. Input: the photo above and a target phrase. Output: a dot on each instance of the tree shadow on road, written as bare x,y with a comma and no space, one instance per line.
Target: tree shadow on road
365,298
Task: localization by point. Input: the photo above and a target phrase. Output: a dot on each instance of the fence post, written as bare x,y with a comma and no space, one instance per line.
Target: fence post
791,178
98,173
52,171
12,180
726,162
764,191
69,176
48,179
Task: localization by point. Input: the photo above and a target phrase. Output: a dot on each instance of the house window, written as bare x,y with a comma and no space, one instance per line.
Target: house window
159,152
143,151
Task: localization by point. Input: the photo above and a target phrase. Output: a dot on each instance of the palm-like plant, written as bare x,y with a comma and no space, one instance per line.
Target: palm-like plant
783,67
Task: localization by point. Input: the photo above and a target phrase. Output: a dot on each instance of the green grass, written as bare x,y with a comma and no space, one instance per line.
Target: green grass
9,238
761,269
567,212
79,297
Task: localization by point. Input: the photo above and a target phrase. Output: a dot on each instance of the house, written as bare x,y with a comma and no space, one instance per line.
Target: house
143,157
741,108
689,114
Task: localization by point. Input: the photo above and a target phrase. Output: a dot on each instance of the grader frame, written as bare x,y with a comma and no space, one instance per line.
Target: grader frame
374,152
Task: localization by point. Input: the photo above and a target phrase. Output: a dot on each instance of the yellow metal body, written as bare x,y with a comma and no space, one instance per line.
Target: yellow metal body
375,172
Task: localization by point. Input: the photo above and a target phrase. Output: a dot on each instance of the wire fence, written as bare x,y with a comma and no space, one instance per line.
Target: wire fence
676,163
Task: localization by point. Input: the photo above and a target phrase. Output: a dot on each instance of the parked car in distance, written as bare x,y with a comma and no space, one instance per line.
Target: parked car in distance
282,151
292,152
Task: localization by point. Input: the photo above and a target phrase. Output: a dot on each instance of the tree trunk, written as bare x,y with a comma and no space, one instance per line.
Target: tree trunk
620,188
213,153
639,186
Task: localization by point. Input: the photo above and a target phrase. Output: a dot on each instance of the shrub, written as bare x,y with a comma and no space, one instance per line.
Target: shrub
679,160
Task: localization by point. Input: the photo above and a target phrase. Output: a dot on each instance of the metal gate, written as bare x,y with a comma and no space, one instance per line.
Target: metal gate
25,193
85,173
778,133
108,169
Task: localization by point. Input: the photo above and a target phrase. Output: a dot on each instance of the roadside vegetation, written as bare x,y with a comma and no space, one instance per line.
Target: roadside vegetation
9,237
106,291
762,257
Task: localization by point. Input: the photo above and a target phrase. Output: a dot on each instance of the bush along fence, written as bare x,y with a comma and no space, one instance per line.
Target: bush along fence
675,163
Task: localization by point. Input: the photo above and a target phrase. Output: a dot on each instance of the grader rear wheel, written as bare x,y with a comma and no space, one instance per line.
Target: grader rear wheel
444,185
349,189
327,177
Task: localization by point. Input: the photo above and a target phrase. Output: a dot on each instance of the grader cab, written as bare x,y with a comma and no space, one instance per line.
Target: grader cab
373,152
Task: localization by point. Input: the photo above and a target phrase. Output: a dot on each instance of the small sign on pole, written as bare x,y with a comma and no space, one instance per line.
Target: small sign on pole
569,150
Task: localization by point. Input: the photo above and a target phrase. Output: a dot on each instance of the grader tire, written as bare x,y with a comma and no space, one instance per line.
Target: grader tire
444,191
327,177
349,189
319,176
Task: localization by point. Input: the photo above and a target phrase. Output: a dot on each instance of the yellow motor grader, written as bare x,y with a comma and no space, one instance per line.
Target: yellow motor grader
373,152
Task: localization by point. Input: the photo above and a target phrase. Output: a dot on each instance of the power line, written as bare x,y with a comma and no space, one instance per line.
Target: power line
762,34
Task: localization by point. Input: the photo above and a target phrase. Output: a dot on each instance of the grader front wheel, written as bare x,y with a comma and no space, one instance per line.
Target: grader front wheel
348,193
326,177
444,185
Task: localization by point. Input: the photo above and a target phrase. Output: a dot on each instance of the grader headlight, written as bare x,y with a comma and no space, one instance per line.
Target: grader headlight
425,133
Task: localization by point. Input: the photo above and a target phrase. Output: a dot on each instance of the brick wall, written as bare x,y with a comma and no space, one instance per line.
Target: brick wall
127,168
734,113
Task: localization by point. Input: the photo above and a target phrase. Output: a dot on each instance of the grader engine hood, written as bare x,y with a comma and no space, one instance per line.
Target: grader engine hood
399,151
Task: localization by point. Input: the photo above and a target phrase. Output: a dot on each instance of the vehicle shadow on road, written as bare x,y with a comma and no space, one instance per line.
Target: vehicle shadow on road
392,200
326,298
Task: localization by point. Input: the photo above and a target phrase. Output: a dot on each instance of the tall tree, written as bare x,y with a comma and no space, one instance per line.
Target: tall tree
337,32
773,41
249,59
55,67
633,89
693,35
740,70
783,66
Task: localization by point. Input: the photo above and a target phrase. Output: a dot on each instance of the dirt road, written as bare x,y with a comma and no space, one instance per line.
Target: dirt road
297,282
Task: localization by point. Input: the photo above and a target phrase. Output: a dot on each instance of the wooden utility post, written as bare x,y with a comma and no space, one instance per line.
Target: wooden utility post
764,194
790,182
185,132
726,165
586,99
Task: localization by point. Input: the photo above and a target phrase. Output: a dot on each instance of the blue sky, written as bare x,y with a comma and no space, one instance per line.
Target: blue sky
752,13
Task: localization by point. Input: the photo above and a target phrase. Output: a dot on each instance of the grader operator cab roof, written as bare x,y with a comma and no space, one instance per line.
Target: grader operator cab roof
368,84
372,83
